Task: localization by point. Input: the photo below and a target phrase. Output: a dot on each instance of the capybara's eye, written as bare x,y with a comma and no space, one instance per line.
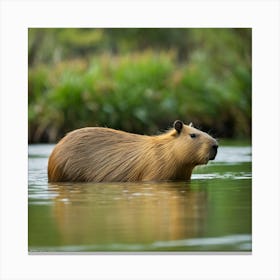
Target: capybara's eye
193,135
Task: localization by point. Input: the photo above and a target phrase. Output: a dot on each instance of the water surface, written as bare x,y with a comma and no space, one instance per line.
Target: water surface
212,212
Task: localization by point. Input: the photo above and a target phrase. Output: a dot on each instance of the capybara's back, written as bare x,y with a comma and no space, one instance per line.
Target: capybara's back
96,154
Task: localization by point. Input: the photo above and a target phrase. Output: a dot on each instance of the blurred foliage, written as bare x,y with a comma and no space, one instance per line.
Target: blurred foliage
139,80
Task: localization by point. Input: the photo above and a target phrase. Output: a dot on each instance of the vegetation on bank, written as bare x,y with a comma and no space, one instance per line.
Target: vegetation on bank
205,79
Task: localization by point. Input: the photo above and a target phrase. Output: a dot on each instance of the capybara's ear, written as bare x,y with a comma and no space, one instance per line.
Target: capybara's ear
178,125
191,124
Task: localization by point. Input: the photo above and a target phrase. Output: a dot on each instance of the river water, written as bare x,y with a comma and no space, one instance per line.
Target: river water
211,213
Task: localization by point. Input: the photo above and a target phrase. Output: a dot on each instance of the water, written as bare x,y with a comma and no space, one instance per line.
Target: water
211,213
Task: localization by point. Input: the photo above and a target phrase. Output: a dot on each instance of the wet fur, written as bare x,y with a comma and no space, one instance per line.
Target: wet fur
103,154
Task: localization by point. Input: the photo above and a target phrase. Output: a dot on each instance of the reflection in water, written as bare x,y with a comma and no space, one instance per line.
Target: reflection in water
128,213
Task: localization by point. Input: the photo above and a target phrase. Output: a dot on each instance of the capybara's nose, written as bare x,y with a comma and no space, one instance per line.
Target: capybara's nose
213,152
215,147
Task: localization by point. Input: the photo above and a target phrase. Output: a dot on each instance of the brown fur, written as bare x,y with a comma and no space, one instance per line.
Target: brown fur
102,154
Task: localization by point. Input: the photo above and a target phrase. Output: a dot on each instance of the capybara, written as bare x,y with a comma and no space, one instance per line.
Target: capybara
96,154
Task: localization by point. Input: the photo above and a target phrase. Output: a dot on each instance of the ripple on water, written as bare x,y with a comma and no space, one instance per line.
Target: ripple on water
240,241
226,175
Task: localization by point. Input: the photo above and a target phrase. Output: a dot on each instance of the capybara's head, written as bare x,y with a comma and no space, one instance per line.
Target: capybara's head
193,146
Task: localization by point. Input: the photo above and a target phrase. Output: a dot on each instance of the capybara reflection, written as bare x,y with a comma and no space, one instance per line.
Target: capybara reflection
102,216
96,154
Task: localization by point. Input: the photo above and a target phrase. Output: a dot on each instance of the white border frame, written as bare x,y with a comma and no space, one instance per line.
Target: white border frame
17,16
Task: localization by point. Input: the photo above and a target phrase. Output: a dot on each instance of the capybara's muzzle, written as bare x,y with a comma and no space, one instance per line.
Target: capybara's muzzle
213,152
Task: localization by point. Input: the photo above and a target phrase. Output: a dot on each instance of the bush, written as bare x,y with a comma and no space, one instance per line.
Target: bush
139,92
